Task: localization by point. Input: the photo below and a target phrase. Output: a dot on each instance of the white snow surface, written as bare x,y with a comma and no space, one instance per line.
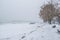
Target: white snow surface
27,31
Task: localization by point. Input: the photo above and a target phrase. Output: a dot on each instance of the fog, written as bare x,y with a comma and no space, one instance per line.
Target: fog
20,10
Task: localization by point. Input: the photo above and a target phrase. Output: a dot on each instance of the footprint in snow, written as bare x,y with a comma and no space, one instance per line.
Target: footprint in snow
24,35
58,31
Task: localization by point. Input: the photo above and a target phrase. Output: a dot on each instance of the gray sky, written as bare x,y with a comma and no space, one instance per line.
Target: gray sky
23,10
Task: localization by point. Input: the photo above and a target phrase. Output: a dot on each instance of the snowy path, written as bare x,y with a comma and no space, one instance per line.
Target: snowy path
26,31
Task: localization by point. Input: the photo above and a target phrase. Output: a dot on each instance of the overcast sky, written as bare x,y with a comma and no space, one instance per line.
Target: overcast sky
23,10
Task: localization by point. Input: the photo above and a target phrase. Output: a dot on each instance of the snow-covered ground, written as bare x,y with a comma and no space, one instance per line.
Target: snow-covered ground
29,31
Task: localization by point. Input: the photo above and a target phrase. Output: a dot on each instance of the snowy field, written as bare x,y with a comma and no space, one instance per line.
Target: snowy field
29,31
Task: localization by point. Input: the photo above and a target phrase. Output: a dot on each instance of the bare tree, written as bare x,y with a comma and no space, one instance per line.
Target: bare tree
48,12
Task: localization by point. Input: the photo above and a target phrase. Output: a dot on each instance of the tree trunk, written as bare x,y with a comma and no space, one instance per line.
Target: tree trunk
49,21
